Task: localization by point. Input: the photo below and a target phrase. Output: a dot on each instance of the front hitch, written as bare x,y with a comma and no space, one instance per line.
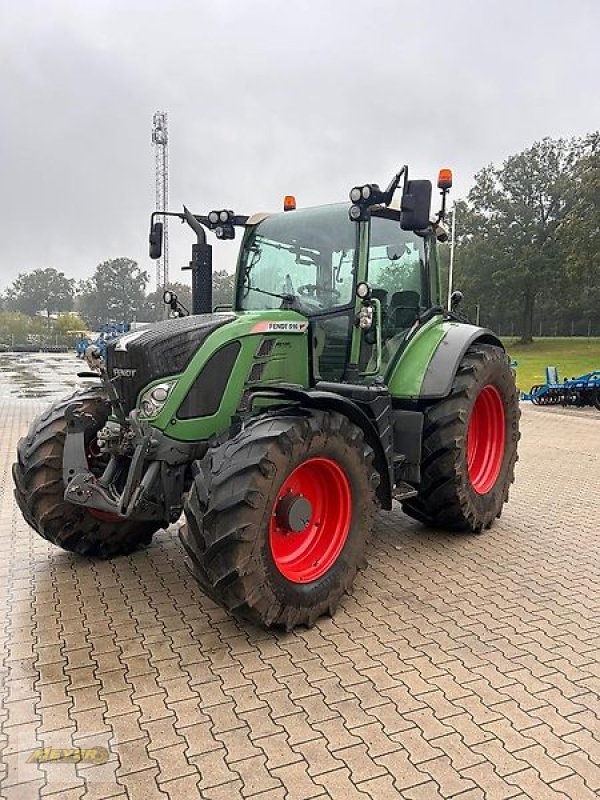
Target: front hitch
156,469
74,454
82,487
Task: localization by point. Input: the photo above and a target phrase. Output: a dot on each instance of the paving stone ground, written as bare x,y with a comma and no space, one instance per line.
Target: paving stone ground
461,666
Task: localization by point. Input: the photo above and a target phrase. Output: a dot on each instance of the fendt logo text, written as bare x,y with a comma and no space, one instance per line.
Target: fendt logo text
121,372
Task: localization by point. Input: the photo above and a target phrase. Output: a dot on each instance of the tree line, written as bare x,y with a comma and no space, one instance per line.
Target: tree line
527,254
46,299
527,251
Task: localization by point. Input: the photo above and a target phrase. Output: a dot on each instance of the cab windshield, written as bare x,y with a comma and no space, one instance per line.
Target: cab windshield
303,259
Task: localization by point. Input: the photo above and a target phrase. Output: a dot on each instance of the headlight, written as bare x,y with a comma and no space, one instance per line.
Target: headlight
153,399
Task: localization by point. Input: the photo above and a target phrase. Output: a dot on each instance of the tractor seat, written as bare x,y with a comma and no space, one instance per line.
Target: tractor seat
381,295
404,309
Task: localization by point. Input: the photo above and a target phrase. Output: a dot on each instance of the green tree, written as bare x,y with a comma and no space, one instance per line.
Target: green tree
14,327
223,283
579,233
44,290
69,322
114,293
510,222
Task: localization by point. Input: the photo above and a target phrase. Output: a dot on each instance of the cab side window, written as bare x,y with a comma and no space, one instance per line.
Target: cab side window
398,279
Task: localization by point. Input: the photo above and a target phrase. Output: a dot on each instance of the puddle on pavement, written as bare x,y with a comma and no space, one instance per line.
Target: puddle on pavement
39,375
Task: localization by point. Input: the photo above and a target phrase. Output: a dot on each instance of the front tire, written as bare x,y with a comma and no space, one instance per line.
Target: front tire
278,517
39,488
470,446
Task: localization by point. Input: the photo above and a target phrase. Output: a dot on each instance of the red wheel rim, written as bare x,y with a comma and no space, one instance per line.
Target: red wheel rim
93,453
486,438
305,555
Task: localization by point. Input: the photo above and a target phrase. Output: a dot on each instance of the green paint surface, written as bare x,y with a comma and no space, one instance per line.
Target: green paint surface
406,376
287,363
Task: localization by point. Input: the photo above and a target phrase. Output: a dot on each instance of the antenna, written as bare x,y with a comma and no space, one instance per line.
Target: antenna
160,142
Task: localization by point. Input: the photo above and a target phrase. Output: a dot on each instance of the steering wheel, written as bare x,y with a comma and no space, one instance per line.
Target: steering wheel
312,290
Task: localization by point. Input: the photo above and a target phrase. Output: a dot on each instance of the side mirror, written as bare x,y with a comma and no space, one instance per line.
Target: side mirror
156,240
416,205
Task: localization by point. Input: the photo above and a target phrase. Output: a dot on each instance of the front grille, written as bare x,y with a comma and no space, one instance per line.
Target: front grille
136,359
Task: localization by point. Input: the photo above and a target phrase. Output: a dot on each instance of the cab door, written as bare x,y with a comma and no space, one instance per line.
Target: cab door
398,276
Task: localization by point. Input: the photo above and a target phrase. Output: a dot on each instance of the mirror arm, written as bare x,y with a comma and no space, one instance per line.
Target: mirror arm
442,211
195,225
394,183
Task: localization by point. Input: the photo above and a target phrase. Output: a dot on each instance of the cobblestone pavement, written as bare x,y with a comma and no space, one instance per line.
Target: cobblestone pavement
461,666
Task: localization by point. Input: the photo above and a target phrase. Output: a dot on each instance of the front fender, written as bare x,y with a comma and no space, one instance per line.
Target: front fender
332,401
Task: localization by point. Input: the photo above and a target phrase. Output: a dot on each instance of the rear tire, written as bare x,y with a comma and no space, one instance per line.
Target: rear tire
39,488
463,488
231,512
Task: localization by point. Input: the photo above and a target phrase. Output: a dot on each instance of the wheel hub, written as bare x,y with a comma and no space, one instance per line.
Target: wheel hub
293,513
310,520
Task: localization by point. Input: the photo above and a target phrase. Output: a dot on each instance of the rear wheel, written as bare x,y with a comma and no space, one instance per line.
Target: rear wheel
470,446
39,488
278,517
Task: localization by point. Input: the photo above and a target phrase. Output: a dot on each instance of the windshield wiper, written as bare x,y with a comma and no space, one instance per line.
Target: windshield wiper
289,298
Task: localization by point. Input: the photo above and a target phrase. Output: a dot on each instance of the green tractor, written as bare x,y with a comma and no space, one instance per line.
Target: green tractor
335,384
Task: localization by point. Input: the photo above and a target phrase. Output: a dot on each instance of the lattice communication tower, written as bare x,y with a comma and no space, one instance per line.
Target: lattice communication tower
160,142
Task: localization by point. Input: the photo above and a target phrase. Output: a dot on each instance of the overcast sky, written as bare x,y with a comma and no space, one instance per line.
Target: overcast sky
264,98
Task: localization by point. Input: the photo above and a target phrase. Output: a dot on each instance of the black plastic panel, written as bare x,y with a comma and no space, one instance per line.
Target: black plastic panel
442,368
206,393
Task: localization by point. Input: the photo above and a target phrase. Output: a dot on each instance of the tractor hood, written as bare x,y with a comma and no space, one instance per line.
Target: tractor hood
135,359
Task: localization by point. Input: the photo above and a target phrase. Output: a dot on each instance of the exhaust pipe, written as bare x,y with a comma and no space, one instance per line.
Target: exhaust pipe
201,266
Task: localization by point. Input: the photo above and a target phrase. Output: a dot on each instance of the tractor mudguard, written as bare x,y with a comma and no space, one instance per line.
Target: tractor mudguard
380,439
426,368
445,360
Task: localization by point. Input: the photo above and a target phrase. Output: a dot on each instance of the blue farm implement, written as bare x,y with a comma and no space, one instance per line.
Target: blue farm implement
106,333
581,391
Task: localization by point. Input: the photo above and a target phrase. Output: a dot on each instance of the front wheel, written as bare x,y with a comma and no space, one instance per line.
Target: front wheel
470,445
278,517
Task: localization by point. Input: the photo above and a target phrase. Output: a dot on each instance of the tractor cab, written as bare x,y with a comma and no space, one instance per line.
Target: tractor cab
312,260
363,273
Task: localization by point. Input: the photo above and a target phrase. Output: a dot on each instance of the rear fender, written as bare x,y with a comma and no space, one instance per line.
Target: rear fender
427,367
